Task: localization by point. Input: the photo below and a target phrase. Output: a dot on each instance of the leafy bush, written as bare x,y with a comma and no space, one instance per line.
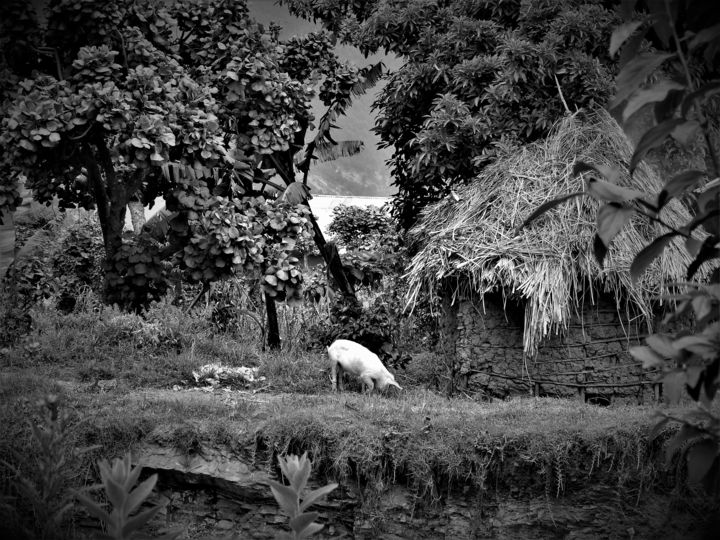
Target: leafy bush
63,259
56,265
41,483
315,287
374,327
14,320
94,331
369,228
77,263
159,348
374,257
373,246
136,275
236,307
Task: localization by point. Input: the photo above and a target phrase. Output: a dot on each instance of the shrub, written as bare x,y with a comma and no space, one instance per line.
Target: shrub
55,266
125,520
41,496
375,327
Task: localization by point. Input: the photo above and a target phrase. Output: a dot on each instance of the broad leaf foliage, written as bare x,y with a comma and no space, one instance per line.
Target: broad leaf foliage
679,81
188,100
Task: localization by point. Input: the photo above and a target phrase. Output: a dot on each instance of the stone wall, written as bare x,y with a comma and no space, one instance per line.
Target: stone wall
590,361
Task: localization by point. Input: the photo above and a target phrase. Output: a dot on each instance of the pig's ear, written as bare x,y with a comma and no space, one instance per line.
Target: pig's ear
395,384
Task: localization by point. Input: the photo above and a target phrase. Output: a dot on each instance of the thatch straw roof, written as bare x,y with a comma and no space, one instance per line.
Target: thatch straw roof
471,243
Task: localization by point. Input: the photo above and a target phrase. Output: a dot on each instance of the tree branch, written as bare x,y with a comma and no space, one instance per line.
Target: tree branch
661,222
688,78
282,171
271,184
124,50
676,38
560,93
106,163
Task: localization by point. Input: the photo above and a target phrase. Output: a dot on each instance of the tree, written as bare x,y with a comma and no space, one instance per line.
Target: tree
670,55
373,247
190,100
374,257
478,75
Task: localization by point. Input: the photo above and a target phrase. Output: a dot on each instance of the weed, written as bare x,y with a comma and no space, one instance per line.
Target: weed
301,372
124,522
45,491
297,471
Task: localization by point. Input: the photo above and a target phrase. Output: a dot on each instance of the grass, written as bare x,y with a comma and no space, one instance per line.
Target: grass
417,438
423,438
159,350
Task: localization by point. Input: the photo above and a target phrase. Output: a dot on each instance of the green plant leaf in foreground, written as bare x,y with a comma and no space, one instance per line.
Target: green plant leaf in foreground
285,496
679,184
648,254
653,94
610,192
707,252
621,34
700,457
93,508
611,218
301,522
634,73
647,356
316,494
310,530
118,479
654,138
296,470
138,521
543,208
139,494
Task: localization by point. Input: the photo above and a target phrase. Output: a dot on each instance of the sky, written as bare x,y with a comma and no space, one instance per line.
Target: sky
365,173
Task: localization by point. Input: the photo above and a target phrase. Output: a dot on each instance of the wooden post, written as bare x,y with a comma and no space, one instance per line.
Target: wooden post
273,340
448,339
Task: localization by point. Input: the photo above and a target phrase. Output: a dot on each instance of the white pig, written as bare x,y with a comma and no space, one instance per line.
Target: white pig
346,355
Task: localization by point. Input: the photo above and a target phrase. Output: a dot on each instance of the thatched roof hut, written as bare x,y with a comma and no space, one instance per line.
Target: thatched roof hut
468,243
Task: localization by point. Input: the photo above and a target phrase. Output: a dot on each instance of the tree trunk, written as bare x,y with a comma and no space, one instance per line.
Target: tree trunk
332,260
285,167
7,242
116,225
111,199
447,344
273,341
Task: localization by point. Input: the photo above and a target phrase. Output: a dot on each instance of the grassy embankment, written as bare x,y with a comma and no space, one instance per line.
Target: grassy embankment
125,380
75,355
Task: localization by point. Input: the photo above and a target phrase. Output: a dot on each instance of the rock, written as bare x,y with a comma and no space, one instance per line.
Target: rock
224,525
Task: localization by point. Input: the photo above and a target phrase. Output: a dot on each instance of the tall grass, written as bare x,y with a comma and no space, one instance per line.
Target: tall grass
162,347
